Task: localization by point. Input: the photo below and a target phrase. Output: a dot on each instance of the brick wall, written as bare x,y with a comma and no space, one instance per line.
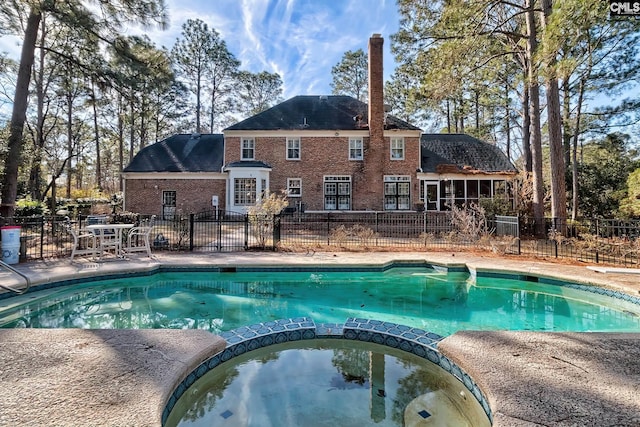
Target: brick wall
144,196
329,155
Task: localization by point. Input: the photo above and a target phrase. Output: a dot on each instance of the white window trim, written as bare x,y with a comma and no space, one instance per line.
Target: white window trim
243,199
253,148
338,179
397,143
361,148
289,181
394,179
293,139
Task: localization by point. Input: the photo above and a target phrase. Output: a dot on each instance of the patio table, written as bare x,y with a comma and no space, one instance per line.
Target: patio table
109,237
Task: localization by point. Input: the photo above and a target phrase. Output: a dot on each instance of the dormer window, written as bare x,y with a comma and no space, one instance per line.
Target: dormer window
248,149
293,148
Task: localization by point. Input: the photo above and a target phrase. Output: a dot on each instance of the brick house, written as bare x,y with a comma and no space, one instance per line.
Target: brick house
330,153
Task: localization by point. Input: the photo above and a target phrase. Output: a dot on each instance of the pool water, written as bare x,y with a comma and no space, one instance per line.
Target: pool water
327,383
420,297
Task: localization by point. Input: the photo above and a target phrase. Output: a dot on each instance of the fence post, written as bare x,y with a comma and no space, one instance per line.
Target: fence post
328,228
424,224
219,230
42,235
246,232
192,219
276,230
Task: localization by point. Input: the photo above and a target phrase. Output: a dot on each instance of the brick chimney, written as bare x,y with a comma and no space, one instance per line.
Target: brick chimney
376,98
369,184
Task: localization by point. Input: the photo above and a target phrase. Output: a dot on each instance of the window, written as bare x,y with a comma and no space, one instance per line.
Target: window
168,204
244,191
169,198
293,148
294,187
397,148
337,192
355,149
485,188
464,192
472,190
248,149
397,192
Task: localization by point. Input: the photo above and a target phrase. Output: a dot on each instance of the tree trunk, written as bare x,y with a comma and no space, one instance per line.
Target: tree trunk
507,119
121,114
96,136
477,96
198,102
574,152
566,121
526,127
35,173
132,131
70,144
556,146
534,113
143,121
213,104
448,117
18,115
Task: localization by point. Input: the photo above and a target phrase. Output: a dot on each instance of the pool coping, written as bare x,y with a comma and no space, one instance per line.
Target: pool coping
491,365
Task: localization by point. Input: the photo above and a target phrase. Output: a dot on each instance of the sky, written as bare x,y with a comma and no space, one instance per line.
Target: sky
301,40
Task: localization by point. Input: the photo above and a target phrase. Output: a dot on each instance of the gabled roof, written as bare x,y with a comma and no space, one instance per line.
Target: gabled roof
462,154
310,112
181,153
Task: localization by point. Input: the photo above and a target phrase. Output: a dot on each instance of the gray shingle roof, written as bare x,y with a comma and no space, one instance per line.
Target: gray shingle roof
181,153
247,164
310,112
466,153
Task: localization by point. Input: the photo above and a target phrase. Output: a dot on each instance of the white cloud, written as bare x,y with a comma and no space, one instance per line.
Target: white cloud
299,39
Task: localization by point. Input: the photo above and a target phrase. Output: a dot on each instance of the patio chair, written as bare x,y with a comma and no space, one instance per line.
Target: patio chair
138,238
84,241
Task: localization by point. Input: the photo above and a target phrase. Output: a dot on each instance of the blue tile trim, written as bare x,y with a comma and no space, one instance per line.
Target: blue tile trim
559,282
412,340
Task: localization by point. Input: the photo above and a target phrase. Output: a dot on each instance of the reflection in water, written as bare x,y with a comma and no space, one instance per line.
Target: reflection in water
323,382
419,297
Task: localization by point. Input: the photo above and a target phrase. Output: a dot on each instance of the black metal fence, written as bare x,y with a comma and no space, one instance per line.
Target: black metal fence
593,240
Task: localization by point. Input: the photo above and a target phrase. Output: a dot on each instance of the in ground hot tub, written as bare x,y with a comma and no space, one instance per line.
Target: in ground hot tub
334,381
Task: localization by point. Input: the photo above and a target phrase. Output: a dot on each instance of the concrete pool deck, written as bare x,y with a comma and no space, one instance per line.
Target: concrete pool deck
73,377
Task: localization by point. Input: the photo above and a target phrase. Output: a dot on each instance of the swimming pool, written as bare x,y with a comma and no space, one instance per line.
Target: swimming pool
424,297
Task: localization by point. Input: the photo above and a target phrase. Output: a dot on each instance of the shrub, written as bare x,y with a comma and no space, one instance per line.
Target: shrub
470,222
262,213
29,207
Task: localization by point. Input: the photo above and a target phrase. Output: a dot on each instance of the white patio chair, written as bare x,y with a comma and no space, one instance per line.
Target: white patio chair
138,238
84,241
